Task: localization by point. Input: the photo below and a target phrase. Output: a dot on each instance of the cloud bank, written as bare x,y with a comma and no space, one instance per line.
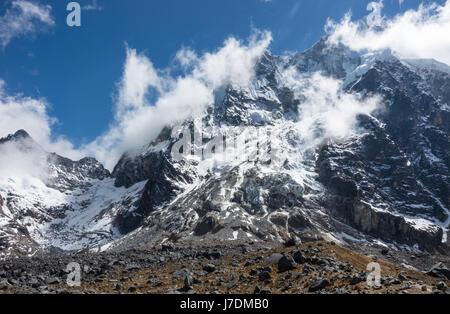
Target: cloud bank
24,18
24,164
21,167
20,112
421,33
149,99
326,110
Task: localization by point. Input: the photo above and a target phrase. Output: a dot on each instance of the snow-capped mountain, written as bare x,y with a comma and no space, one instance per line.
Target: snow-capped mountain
56,203
383,177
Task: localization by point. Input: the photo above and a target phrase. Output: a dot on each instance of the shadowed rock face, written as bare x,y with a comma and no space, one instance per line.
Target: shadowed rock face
159,189
134,168
69,173
402,166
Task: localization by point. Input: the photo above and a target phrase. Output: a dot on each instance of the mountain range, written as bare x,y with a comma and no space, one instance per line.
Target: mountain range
363,157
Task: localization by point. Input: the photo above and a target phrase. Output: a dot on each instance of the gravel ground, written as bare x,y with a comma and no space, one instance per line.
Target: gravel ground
314,267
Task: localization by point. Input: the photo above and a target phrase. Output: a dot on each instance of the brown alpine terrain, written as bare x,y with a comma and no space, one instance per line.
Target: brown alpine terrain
229,268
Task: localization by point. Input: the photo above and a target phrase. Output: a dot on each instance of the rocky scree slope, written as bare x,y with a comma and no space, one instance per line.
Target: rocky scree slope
238,267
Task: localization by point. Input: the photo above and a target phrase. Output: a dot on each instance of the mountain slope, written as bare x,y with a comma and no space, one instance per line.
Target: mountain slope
56,202
358,150
389,181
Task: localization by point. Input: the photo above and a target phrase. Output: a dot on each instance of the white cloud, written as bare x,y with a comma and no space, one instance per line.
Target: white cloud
421,33
21,167
326,111
186,57
139,76
94,6
23,18
20,112
149,99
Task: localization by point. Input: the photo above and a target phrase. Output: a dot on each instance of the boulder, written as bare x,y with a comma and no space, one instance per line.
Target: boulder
286,263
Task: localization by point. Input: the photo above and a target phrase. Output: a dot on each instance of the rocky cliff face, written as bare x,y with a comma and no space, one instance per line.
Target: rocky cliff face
389,181
386,181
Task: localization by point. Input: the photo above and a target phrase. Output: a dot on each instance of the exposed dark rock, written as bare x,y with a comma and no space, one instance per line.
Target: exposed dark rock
290,242
264,275
318,285
286,263
188,283
439,271
209,268
208,224
356,279
273,259
299,257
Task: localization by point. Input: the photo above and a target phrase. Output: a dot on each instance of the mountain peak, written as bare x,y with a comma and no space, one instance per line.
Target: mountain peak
19,135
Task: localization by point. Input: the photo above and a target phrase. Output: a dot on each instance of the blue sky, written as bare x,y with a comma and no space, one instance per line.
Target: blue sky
77,69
